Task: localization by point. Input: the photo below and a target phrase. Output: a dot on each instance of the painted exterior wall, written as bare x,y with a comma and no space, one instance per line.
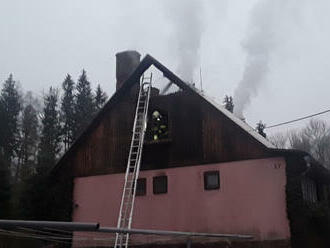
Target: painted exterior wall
251,200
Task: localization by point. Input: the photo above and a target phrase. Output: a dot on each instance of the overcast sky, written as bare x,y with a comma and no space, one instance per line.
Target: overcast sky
42,40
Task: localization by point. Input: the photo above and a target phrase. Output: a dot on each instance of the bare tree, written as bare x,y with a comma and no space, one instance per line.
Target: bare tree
279,140
314,139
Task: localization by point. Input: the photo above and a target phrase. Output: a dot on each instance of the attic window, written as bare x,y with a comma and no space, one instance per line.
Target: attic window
158,126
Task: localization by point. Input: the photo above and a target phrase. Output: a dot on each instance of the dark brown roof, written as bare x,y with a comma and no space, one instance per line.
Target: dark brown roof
146,62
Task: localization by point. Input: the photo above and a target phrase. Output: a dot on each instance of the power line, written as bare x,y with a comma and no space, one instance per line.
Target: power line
298,119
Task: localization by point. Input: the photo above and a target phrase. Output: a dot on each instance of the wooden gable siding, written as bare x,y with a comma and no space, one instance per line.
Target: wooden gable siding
184,145
224,141
198,134
105,150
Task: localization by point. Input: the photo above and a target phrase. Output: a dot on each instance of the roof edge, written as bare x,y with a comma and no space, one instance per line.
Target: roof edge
145,63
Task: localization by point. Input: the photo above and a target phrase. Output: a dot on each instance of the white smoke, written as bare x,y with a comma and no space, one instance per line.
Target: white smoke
259,45
187,17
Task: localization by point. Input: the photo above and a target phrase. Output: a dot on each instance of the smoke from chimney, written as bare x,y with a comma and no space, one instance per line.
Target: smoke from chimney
259,45
187,17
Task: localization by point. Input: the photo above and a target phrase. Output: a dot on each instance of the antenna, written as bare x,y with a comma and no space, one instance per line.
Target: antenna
200,78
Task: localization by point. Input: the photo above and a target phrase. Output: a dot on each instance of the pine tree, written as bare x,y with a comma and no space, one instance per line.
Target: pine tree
100,97
2,126
11,106
67,112
260,128
50,140
28,142
4,188
229,103
84,108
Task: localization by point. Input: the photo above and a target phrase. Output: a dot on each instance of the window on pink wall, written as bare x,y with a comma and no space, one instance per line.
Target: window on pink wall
211,180
141,187
160,185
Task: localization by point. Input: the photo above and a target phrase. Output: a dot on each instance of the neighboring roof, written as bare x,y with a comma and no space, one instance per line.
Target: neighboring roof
145,63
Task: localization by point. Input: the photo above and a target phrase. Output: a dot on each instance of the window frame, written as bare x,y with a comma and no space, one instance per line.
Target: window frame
211,173
154,184
309,190
141,182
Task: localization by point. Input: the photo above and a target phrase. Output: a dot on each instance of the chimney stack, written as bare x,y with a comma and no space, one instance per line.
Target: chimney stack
126,63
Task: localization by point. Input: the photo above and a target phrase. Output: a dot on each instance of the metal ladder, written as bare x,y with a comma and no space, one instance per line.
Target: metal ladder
133,164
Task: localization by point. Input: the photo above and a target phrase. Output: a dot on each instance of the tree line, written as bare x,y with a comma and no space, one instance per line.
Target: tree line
34,133
314,138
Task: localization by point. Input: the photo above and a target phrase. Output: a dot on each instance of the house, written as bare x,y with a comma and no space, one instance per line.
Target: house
206,171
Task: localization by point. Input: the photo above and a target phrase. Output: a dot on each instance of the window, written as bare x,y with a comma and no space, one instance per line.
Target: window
157,126
141,187
211,180
309,190
160,185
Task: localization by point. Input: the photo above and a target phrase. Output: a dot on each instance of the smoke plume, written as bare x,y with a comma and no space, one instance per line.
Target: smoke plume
187,17
259,44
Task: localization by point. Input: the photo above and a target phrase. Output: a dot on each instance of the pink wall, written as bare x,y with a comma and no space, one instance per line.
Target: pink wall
251,200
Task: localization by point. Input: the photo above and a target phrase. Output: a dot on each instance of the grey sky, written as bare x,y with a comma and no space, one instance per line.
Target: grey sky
42,40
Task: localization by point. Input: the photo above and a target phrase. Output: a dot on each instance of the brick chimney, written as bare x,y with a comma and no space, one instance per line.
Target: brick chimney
126,63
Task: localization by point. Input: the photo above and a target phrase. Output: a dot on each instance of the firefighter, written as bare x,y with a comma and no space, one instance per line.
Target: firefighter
159,129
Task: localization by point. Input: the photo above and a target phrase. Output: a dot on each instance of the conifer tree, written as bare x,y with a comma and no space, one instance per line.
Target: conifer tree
84,108
4,188
229,103
2,126
50,140
100,97
11,106
28,141
35,192
67,112
260,129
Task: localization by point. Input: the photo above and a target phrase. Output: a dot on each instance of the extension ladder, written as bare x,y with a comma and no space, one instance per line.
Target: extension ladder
134,161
